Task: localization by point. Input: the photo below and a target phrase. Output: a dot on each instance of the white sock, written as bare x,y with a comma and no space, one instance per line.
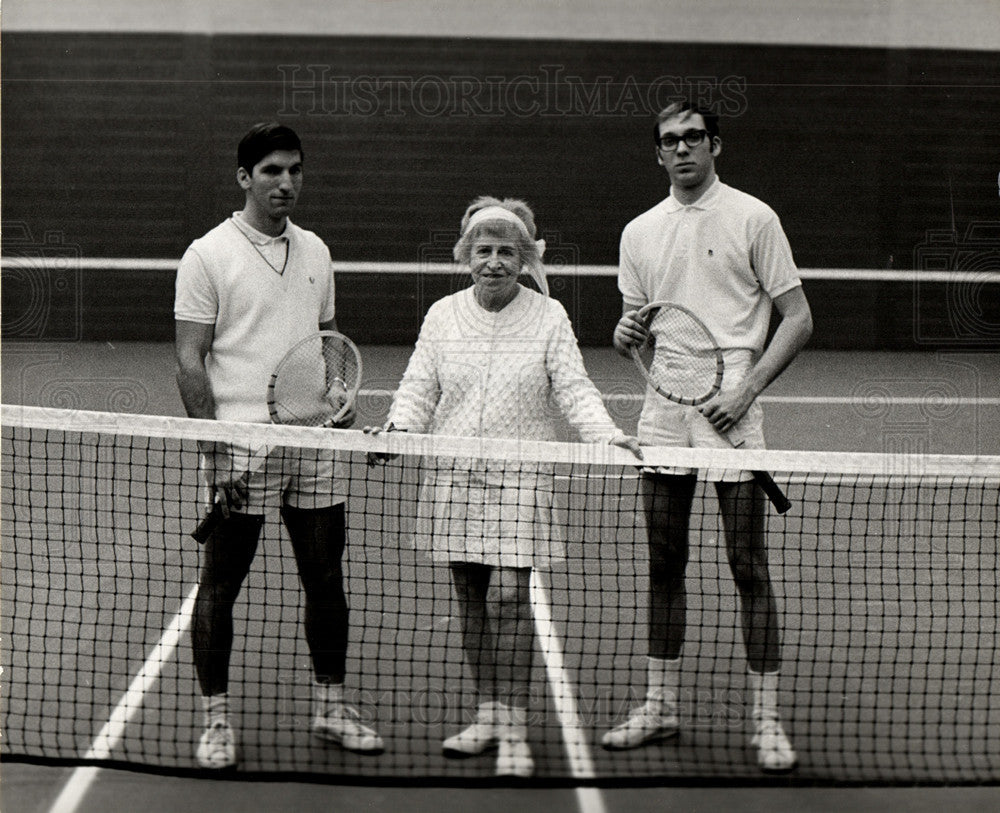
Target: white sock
512,720
663,681
764,690
325,694
216,708
486,712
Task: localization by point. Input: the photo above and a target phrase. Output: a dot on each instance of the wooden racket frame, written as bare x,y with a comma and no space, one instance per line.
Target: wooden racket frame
766,482
645,315
352,391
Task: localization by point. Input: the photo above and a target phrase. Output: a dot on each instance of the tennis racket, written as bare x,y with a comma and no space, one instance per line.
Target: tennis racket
315,384
688,369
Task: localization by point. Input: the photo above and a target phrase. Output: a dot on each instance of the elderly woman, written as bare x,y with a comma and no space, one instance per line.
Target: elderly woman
489,363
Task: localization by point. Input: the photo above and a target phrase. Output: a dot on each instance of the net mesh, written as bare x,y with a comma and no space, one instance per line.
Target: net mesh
885,571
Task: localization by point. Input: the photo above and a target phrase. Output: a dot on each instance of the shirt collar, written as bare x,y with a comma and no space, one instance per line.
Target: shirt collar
258,237
707,201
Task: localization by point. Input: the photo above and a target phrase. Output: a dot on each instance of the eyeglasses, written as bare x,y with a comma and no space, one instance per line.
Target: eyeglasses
669,142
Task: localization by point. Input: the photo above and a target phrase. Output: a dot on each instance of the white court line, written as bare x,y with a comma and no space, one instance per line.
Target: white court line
580,761
878,398
577,749
114,729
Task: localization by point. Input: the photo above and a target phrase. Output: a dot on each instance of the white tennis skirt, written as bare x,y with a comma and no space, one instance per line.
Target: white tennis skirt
497,518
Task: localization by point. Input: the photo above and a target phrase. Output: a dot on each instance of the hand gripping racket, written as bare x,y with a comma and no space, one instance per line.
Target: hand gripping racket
315,384
686,367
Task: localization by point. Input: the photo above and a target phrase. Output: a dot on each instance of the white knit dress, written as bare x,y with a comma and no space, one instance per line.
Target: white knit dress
506,374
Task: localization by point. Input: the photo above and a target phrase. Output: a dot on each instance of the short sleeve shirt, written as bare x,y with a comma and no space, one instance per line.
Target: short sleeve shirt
233,278
725,257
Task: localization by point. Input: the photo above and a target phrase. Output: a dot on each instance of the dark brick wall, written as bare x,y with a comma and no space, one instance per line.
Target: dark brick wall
122,145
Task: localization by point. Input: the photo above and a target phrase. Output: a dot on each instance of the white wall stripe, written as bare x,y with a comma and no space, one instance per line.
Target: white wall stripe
366,267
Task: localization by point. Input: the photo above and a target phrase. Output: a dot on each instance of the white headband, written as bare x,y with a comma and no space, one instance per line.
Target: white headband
500,213
496,213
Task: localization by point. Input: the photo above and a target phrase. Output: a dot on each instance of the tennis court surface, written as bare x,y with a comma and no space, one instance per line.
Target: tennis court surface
886,568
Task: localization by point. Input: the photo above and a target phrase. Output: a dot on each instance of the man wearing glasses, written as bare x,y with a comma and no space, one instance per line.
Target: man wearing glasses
722,254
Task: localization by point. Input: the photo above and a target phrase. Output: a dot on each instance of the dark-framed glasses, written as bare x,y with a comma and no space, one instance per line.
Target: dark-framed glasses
668,142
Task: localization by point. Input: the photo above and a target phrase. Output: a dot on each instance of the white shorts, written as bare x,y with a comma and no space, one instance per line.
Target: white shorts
664,423
300,478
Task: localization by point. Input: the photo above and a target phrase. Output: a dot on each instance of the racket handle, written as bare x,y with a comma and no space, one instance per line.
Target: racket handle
208,524
774,493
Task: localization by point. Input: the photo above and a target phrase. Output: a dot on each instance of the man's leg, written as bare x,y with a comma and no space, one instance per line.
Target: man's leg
743,512
667,502
226,560
318,539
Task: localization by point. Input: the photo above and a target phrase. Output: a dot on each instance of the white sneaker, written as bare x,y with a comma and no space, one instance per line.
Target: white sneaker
514,758
217,747
774,751
644,724
475,739
342,724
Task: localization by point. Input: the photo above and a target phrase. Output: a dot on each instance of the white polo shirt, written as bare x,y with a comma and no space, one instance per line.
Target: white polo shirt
233,278
725,257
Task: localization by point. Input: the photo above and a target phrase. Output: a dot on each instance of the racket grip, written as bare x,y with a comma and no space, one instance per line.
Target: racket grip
774,493
208,524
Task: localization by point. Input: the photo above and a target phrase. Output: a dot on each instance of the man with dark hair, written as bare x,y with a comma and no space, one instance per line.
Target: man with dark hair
722,254
263,139
246,292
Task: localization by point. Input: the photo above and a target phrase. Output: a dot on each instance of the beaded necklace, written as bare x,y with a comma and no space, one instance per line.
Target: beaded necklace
272,266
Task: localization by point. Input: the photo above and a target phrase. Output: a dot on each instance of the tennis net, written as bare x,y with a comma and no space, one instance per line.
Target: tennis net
885,571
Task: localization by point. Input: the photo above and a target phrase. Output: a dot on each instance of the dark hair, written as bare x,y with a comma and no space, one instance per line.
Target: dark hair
679,109
263,139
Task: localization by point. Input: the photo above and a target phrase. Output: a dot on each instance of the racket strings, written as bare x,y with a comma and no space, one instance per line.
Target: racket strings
685,359
341,370
314,382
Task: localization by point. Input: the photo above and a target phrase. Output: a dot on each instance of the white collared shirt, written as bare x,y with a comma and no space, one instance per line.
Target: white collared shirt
274,250
230,278
725,257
